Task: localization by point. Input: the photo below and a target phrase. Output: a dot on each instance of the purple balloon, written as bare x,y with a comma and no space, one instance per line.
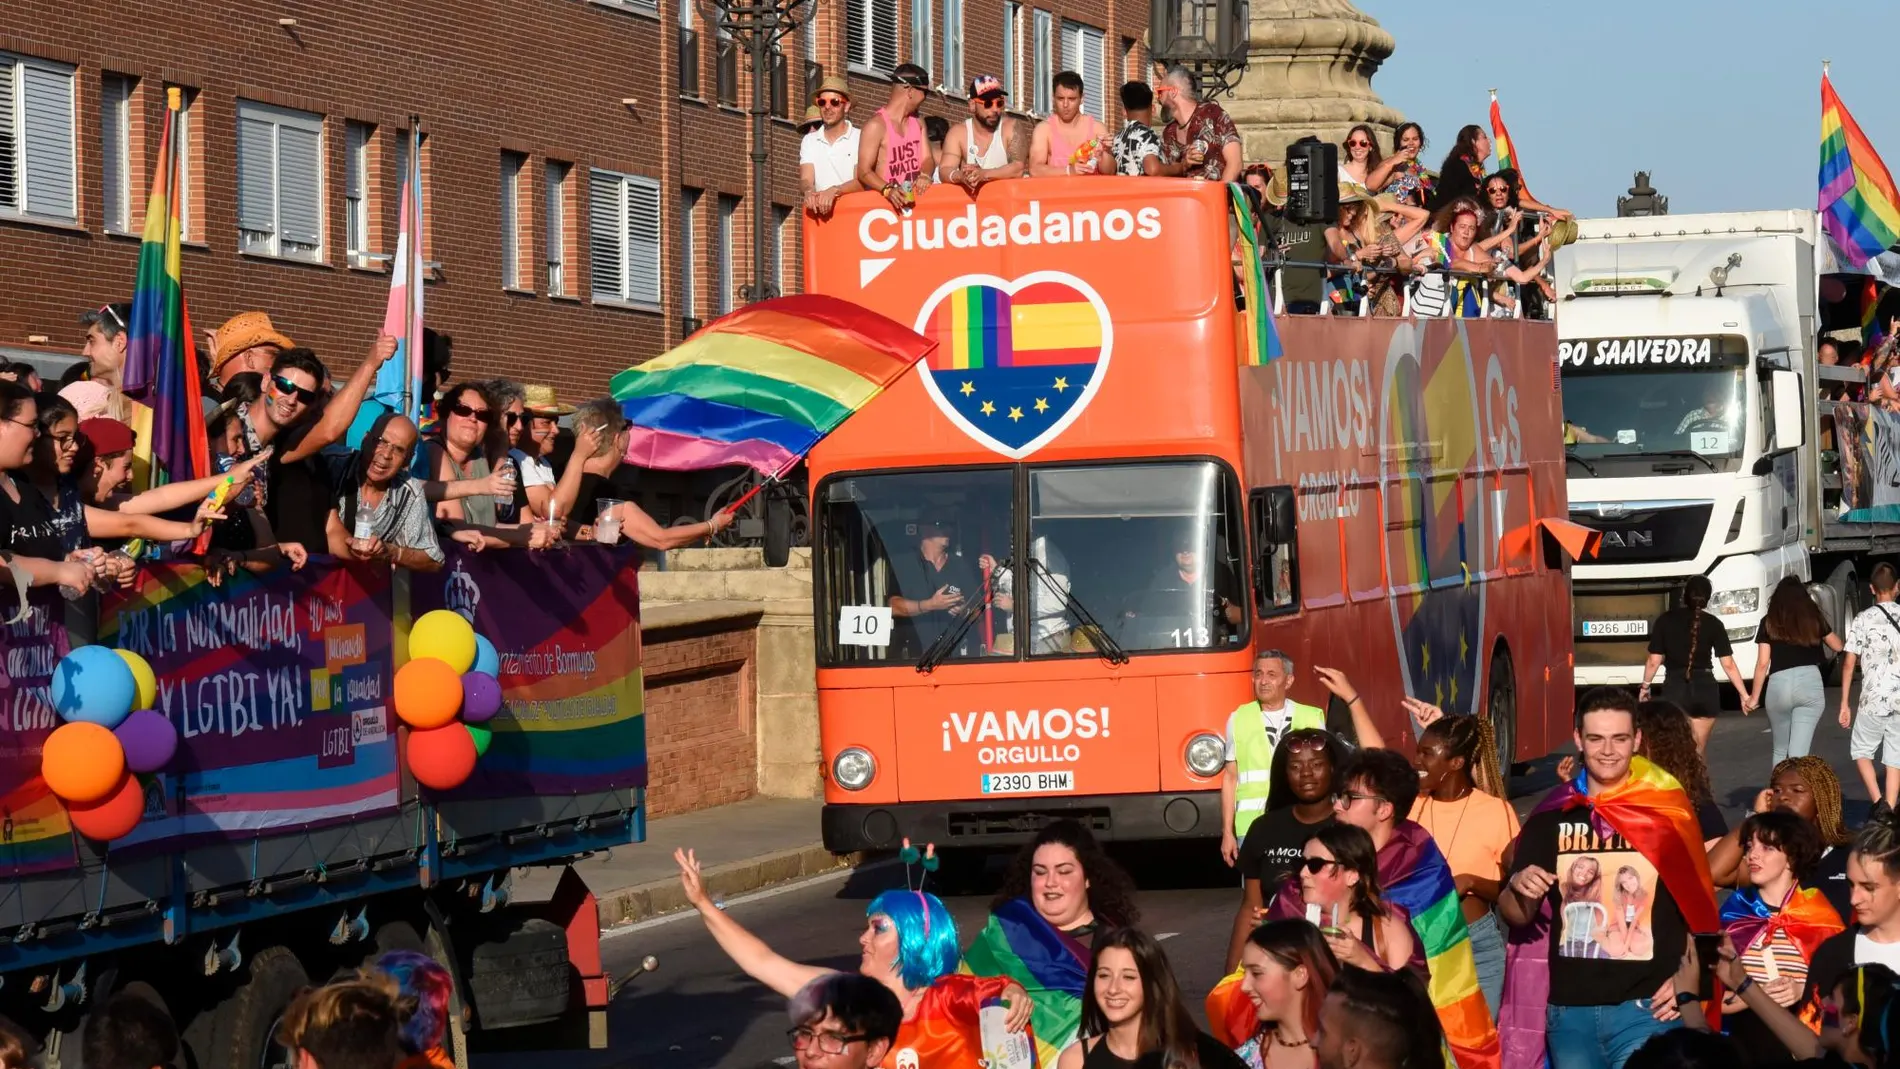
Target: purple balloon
149,740
481,697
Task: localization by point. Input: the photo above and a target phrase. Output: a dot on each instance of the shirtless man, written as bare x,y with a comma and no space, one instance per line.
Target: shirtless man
893,155
989,144
1057,138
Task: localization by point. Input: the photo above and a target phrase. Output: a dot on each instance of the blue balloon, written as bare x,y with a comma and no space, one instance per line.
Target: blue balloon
487,660
94,684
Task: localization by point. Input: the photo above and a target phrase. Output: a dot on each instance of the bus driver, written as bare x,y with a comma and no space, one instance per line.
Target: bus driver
933,588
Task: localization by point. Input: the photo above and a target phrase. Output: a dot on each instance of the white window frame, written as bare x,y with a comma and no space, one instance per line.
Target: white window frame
115,159
556,174
633,193
781,215
1079,39
689,279
356,141
188,107
1012,63
863,21
272,242
951,74
921,36
723,246
513,166
1041,59
46,154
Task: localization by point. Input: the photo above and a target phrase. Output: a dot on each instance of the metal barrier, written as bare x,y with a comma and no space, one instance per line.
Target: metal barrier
1407,292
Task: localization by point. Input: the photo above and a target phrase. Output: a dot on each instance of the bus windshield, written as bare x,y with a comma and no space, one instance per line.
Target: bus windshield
1140,557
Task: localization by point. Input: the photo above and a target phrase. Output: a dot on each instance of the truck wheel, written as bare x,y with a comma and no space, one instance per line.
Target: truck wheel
241,1031
519,976
1500,708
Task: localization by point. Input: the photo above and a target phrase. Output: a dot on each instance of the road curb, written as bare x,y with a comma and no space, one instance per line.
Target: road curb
629,905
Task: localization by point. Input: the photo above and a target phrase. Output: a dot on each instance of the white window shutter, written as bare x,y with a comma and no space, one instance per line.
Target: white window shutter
9,142
256,165
1012,14
857,32
300,185
48,97
114,98
1092,69
883,34
606,235
920,33
643,240
355,159
1041,48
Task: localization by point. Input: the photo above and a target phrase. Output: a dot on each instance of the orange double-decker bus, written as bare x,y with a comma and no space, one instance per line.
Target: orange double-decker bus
1044,559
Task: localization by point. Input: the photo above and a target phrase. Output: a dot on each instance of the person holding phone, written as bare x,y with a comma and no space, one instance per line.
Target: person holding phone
1776,925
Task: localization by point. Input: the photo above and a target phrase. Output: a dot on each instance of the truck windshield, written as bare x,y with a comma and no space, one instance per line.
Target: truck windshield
1143,555
1673,412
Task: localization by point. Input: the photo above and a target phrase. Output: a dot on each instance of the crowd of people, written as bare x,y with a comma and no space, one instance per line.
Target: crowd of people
1397,914
1453,242
302,463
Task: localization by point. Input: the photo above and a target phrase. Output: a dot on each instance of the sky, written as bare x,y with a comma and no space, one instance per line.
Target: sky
1719,101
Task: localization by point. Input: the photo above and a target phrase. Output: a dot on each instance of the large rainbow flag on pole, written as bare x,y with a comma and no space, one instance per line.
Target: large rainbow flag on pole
398,386
1502,144
161,360
761,386
1859,208
1260,342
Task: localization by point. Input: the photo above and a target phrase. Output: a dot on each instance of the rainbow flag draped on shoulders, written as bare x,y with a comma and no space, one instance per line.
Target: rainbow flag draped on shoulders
1859,208
1053,968
946,1030
1806,918
1260,339
1651,812
161,358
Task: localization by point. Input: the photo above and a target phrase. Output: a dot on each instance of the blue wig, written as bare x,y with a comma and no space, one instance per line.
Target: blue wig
421,979
926,935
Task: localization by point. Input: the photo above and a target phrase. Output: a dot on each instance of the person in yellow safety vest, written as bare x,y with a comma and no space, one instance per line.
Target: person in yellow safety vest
1256,727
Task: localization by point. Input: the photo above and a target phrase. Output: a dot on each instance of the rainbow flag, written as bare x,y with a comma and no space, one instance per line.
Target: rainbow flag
1052,967
1651,812
1260,344
1807,918
1505,148
1859,208
1870,332
161,361
402,319
761,386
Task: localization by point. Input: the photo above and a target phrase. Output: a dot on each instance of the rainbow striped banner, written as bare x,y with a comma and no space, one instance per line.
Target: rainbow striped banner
1260,341
1859,208
1044,324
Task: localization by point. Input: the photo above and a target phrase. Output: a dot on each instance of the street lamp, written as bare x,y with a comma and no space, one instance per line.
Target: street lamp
758,26
1207,37
1643,199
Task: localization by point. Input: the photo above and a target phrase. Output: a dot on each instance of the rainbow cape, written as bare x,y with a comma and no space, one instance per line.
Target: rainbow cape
760,386
1053,968
1260,341
161,358
945,1032
1650,810
1859,208
1807,917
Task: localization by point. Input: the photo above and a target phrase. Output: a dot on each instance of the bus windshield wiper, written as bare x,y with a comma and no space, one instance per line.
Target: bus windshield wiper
1109,650
1710,464
940,649
1572,456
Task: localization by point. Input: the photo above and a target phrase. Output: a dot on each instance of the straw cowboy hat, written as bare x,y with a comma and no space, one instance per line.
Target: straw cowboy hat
244,331
541,399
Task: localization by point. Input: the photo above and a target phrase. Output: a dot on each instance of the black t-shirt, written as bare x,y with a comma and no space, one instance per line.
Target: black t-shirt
28,528
1785,655
1709,816
1303,243
301,493
1830,878
1607,946
918,579
1669,636
1211,1052
68,516
1274,844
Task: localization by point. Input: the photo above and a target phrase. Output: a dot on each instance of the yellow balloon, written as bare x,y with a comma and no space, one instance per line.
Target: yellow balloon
445,636
143,676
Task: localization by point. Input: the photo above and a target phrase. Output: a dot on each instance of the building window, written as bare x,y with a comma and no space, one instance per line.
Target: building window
871,32
513,164
1039,62
952,75
115,157
723,248
356,140
780,216
1082,53
189,159
624,237
37,157
555,209
280,182
689,266
921,38
1012,70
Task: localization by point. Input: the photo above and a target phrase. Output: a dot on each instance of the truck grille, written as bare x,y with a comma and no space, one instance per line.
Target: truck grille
1016,822
1649,535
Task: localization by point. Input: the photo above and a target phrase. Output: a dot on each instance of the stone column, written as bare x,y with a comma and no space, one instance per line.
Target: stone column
1309,71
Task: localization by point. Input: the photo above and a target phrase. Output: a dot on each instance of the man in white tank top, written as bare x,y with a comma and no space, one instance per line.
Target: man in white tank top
989,144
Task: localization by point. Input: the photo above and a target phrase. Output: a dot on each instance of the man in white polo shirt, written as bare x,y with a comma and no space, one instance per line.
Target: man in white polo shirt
828,158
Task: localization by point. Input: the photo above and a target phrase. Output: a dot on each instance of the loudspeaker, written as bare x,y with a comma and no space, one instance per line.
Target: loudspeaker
1312,182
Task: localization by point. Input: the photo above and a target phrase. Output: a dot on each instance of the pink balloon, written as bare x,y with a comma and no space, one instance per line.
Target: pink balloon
481,697
149,740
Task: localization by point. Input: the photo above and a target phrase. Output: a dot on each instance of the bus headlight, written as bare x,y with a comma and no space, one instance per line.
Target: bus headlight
853,768
1206,754
1735,602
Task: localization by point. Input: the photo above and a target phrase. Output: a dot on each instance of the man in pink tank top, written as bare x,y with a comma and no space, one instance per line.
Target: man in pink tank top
1069,142
893,155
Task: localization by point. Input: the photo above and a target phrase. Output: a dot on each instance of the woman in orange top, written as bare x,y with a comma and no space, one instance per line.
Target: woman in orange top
1461,802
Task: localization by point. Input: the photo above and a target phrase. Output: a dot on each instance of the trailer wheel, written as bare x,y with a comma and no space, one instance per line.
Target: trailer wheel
241,1031
520,976
1500,708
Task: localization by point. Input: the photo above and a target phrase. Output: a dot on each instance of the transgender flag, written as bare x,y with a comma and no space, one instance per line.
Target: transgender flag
402,320
161,365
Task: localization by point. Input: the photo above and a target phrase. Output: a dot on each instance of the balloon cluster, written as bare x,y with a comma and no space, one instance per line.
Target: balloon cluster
110,736
452,671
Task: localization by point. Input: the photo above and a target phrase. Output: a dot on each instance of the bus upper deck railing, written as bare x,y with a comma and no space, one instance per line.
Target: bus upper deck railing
1414,301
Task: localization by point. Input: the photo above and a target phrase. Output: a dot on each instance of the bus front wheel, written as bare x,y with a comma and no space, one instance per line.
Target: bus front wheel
1500,708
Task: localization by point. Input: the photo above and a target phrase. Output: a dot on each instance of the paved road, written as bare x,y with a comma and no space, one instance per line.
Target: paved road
697,1011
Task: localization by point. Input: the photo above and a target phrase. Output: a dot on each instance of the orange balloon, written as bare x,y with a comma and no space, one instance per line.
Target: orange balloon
443,758
428,693
113,817
83,762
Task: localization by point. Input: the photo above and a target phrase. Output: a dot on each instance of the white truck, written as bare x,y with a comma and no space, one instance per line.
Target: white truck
1698,434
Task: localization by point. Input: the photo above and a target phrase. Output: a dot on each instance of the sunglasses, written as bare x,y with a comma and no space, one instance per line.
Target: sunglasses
290,389
832,102
511,419
1305,746
921,87
108,310
479,415
1316,865
1499,191
1347,798
1358,144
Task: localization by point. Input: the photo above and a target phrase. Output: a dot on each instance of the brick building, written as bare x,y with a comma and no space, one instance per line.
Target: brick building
585,162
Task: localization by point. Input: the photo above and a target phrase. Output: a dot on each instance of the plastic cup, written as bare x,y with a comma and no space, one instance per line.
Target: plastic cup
607,523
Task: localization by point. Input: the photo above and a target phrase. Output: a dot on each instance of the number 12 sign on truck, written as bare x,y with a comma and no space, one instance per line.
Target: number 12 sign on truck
1045,557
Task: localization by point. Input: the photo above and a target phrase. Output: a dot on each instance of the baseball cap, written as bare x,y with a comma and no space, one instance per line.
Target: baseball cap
108,436
984,85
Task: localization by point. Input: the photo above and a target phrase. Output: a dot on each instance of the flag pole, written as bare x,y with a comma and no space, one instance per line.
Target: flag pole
411,404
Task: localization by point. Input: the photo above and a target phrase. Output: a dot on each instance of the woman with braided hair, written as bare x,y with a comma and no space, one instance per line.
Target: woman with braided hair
1683,642
1807,787
1461,802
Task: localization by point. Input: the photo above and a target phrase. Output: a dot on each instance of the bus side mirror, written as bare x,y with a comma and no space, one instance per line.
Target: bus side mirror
1280,516
1790,415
